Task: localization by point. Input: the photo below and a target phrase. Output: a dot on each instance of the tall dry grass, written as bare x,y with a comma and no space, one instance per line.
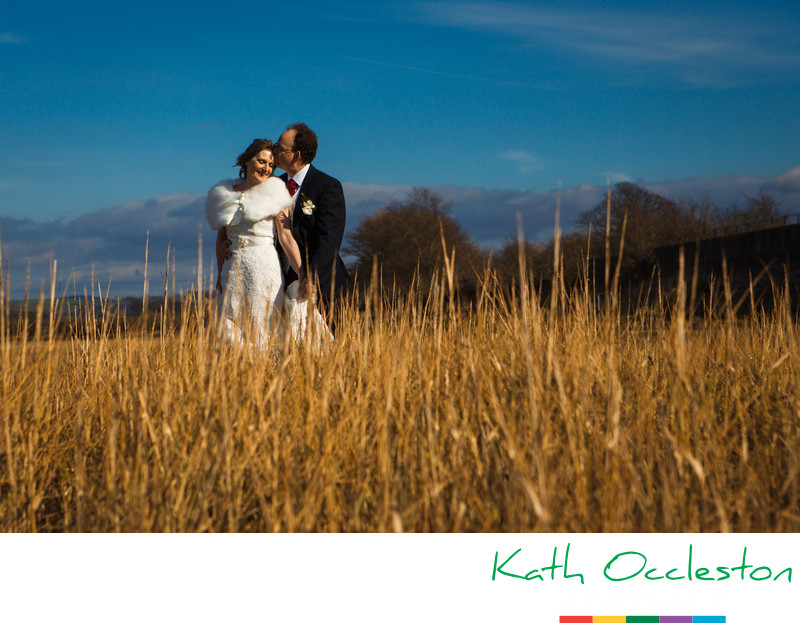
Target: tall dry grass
422,415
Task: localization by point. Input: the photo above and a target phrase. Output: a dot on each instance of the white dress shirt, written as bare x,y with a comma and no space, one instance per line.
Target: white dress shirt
299,177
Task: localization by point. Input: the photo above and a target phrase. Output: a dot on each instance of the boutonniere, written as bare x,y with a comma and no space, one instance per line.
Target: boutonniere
307,205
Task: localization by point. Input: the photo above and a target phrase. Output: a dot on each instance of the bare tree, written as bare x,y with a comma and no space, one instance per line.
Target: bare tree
758,212
405,239
651,221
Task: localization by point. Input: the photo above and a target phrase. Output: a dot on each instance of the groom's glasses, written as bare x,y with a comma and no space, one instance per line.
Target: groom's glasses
282,149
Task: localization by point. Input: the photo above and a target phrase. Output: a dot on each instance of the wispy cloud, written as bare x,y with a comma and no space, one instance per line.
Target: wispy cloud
11,38
524,161
697,49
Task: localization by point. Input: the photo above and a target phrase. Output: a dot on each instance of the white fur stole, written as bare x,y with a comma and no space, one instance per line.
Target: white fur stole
227,207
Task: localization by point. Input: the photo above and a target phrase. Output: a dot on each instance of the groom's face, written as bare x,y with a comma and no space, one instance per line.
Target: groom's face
283,150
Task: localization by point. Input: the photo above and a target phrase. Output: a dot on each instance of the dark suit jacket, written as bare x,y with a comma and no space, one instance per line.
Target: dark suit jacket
320,233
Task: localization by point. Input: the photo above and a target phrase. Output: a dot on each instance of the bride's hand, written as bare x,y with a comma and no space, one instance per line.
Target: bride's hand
302,290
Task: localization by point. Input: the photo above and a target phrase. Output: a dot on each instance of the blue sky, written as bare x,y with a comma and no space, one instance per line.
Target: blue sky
113,114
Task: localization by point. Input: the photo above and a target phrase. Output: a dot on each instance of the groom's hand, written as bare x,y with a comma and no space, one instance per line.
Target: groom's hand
285,218
223,247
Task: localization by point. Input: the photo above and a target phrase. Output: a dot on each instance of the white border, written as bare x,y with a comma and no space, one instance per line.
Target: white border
381,581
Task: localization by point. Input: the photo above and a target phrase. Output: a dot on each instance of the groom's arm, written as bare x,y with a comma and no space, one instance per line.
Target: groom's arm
223,254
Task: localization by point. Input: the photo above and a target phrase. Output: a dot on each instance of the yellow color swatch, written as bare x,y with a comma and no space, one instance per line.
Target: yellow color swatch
608,619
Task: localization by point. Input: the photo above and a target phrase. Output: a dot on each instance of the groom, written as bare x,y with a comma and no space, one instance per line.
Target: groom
318,217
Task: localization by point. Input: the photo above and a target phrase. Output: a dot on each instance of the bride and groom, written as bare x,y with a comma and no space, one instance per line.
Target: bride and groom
269,288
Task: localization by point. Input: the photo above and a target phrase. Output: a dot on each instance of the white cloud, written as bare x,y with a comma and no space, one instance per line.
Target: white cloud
786,183
614,177
113,240
729,189
366,195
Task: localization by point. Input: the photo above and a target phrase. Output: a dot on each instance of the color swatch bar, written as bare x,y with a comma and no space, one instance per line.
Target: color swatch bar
644,619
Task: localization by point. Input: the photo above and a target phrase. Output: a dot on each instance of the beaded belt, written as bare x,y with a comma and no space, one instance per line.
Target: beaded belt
249,241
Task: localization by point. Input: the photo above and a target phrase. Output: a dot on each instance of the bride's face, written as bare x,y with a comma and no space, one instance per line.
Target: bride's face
259,167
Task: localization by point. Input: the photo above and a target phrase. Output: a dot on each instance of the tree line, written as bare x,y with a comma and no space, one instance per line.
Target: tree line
405,242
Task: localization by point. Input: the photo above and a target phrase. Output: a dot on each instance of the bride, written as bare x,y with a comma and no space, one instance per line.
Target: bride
249,212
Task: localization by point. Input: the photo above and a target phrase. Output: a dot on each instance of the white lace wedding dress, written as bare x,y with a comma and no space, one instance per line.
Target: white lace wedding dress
302,321
254,309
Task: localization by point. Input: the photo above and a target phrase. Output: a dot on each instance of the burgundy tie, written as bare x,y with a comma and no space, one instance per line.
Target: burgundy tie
292,186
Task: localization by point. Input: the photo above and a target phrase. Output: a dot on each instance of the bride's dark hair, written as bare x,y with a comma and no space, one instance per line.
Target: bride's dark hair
256,147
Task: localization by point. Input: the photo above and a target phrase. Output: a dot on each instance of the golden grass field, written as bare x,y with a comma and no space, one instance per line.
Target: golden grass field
424,415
